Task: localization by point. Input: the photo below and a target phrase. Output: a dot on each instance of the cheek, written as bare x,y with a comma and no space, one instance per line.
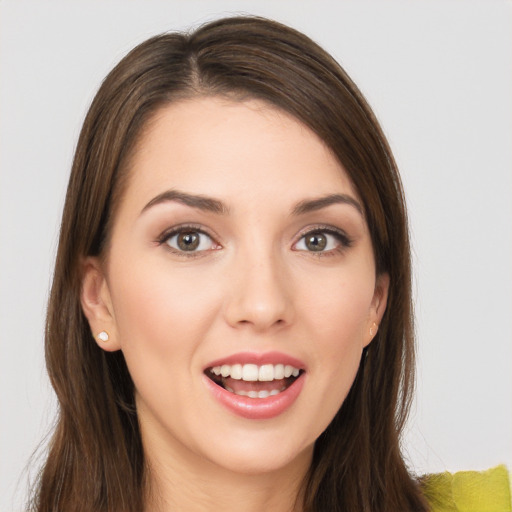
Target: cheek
339,307
162,317
160,313
337,316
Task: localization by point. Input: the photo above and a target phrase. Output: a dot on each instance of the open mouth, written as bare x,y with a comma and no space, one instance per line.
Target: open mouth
252,380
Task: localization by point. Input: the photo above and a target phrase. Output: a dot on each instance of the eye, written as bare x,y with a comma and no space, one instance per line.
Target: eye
322,240
189,240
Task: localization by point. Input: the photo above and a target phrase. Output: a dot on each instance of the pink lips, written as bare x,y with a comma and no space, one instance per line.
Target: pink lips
257,408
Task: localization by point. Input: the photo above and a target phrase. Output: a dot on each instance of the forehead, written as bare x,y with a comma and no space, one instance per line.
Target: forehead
232,150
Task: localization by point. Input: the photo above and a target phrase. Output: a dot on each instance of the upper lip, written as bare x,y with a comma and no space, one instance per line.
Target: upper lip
258,358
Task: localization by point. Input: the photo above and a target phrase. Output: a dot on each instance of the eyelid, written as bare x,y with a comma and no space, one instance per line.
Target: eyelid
345,240
176,230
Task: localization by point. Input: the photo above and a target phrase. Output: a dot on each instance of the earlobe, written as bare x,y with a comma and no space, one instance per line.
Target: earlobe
97,304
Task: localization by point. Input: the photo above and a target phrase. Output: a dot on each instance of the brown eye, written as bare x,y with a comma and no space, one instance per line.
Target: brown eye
325,240
315,241
190,241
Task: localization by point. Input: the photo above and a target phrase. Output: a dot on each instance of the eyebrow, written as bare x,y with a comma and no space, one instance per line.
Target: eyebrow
210,204
311,205
200,202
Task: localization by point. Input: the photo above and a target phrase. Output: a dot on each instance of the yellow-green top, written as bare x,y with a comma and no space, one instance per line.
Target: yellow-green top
469,491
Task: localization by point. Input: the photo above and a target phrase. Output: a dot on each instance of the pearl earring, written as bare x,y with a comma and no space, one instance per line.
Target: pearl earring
103,336
373,329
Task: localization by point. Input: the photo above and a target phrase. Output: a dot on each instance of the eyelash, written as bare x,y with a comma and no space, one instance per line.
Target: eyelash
345,242
164,238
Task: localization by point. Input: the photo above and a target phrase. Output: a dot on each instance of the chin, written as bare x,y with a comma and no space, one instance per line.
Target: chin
251,458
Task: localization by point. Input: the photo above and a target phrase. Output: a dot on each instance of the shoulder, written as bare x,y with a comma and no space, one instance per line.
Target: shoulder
469,491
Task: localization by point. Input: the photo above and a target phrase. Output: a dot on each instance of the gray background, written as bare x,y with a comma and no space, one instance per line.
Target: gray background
439,76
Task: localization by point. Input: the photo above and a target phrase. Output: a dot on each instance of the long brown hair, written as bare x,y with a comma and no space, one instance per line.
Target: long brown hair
96,459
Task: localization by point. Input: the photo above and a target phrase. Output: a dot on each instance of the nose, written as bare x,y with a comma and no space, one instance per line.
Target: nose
259,293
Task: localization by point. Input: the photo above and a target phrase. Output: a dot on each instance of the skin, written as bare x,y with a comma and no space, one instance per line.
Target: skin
254,285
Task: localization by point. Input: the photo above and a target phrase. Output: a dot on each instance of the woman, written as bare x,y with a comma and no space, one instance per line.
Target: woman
230,319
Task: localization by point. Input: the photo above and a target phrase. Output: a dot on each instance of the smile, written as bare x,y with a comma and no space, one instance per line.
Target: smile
252,380
256,386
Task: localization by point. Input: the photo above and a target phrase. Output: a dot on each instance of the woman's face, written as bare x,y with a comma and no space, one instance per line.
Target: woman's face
239,255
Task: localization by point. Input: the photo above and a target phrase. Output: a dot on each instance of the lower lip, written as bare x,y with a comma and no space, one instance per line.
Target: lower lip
257,408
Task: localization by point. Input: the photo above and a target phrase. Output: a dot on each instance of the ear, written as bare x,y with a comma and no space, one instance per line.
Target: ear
97,304
377,307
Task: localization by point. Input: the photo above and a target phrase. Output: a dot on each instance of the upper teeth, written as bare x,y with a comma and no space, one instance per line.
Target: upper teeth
253,372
